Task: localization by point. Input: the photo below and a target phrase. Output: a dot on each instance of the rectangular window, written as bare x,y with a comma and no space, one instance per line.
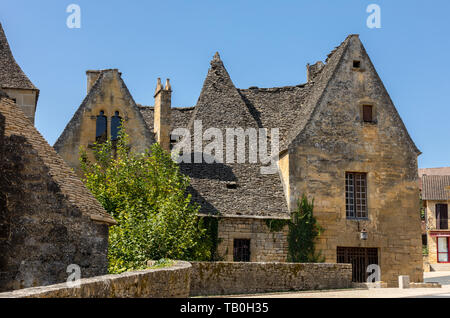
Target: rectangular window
356,195
442,216
367,113
442,249
241,251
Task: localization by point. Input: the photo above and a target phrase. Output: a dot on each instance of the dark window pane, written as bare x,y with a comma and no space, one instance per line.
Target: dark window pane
241,251
367,113
116,123
442,216
101,132
356,195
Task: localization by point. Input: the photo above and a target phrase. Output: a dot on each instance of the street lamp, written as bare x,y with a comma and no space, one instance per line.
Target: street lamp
363,235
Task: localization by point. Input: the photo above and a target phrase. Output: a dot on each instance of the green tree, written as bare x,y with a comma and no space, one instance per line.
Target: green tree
303,231
146,195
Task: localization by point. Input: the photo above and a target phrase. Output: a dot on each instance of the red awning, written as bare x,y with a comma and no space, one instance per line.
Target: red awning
443,234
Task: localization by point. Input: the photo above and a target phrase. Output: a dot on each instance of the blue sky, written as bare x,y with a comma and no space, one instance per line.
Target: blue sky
262,43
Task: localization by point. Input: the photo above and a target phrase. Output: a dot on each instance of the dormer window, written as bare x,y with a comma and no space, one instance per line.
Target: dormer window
356,64
368,113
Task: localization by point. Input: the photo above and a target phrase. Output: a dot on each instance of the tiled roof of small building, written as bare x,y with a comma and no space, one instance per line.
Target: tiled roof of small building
11,75
435,187
70,186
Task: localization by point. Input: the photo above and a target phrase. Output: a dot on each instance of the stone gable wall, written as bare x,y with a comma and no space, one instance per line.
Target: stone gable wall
337,141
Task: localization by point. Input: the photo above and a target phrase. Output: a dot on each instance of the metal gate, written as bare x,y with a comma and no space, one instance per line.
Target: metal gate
360,258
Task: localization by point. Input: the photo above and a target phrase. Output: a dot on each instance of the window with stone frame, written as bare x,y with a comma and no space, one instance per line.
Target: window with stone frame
356,195
241,250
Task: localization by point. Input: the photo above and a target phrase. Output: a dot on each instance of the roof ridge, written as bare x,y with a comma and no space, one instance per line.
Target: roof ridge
321,84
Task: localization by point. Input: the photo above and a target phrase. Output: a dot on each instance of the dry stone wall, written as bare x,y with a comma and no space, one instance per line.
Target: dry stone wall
168,282
227,278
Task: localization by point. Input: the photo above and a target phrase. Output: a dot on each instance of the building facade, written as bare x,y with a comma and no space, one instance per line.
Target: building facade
341,142
436,199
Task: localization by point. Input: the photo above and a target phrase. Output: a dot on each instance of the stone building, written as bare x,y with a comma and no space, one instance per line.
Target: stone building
48,219
14,82
342,142
436,199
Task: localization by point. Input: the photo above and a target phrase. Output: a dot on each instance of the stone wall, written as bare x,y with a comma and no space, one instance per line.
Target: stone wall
227,278
46,214
168,282
265,245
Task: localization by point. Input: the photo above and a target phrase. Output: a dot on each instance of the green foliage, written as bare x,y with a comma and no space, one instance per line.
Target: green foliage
163,262
422,209
424,250
211,237
276,225
145,193
303,230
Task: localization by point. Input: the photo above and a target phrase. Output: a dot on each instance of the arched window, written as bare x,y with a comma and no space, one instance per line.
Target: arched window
116,123
101,132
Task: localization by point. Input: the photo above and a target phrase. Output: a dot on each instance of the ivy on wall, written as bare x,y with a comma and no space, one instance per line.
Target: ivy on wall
303,231
276,225
211,225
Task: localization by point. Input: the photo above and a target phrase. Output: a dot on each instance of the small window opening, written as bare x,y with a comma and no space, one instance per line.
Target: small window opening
101,132
356,64
368,113
232,185
241,251
116,124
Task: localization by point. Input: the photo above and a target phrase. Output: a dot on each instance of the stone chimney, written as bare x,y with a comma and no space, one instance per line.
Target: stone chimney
313,70
163,97
92,76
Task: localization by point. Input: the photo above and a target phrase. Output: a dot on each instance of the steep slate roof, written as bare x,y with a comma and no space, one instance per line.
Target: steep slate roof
11,75
222,105
70,186
180,115
434,187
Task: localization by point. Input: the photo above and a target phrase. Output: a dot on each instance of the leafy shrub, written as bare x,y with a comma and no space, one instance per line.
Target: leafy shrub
146,195
303,231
